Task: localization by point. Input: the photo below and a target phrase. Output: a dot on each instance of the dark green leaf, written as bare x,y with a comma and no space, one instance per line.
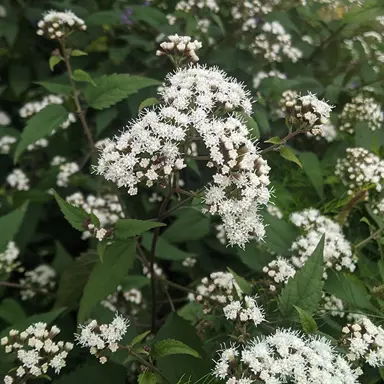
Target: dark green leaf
288,154
139,338
104,118
307,322
126,228
60,89
305,288
41,125
149,378
62,259
11,311
312,168
107,275
172,347
103,17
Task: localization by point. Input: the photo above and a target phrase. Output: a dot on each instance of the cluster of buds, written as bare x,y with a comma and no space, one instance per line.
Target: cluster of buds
180,47
103,337
245,311
125,301
279,270
58,25
308,113
35,351
365,341
99,233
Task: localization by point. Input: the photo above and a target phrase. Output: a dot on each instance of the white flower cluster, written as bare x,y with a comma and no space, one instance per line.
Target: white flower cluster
106,208
260,76
103,337
365,341
332,306
221,234
307,112
66,170
4,118
125,302
156,270
245,311
361,109
189,5
337,249
41,143
360,168
378,209
6,143
35,351
189,262
220,287
285,356
328,132
275,44
34,107
57,25
150,149
8,258
18,179
42,279
279,270
273,210
180,46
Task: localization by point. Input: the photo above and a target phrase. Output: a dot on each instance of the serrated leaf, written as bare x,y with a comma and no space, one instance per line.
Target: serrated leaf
111,89
76,216
242,283
107,275
312,168
10,224
139,338
308,324
41,125
305,288
288,154
172,347
148,102
53,61
80,75
126,228
77,52
60,89
273,140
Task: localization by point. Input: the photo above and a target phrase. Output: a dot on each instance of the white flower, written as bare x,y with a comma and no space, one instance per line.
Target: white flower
328,132
189,262
41,278
281,270
9,258
181,46
4,118
274,211
66,170
19,180
6,144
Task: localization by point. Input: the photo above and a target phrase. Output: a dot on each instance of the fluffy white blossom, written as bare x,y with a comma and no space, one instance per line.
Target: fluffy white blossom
365,341
378,208
4,118
361,109
332,306
35,351
188,5
273,210
42,278
328,132
156,270
31,108
57,25
246,310
18,179
106,208
285,356
41,143
279,270
338,253
359,168
260,76
189,262
275,44
179,47
6,143
66,170
103,337
9,258
127,302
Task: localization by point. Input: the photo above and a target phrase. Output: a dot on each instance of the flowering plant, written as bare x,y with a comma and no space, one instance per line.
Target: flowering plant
192,191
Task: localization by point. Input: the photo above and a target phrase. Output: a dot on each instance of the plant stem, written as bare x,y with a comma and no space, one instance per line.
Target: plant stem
75,96
368,239
283,141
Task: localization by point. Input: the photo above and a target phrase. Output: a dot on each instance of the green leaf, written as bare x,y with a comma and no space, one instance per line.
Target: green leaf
53,61
77,52
104,118
148,102
164,249
73,280
102,18
273,140
261,118
10,224
41,125
80,75
251,124
312,168
126,228
75,216
139,338
307,322
149,378
106,276
60,89
243,284
288,154
62,259
101,247
172,347
111,89
11,311
151,15
305,288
